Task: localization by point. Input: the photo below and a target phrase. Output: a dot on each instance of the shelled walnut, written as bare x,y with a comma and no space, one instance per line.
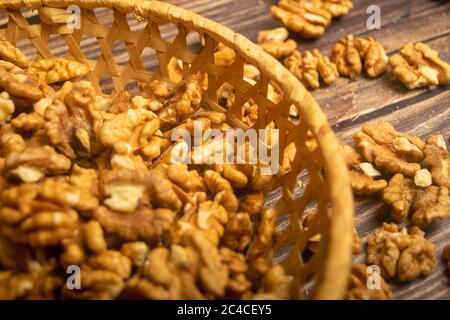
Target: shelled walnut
57,70
430,205
373,55
438,159
347,57
400,194
12,54
362,174
359,286
276,42
390,150
406,255
305,18
417,65
308,66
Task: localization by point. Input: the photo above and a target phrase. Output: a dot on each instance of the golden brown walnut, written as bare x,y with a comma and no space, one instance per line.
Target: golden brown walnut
175,70
406,255
31,163
89,239
222,190
20,88
347,58
430,205
252,203
6,106
159,90
275,285
400,194
123,190
136,252
238,283
374,56
446,254
309,21
102,277
337,8
144,223
58,70
192,269
188,180
438,159
264,236
224,56
358,288
362,174
276,43
417,65
185,101
357,247
390,150
328,70
308,66
28,121
39,281
29,216
12,54
73,126
208,217
239,232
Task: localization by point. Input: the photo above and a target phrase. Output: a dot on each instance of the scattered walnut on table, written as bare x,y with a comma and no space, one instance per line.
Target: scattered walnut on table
438,159
57,70
374,56
417,65
337,8
362,174
430,205
12,54
310,21
359,286
276,42
347,58
308,66
400,194
390,150
404,254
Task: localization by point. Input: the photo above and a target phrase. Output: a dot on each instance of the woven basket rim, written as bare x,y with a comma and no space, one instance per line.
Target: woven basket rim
334,271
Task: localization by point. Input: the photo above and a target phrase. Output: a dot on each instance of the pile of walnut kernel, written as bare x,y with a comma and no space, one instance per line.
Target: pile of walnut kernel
87,180
413,177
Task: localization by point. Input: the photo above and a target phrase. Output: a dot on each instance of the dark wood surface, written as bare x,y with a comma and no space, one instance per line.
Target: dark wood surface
348,104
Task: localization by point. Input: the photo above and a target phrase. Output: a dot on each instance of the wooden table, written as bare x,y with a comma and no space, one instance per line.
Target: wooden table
348,104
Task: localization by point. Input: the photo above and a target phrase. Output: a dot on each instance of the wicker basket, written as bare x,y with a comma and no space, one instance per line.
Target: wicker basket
326,188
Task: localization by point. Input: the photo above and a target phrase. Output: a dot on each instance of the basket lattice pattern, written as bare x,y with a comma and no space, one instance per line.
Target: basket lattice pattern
318,178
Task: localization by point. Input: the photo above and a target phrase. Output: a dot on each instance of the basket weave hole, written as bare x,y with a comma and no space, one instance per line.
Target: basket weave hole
57,46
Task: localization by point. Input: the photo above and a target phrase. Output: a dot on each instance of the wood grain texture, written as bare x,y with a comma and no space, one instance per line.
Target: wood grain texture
348,103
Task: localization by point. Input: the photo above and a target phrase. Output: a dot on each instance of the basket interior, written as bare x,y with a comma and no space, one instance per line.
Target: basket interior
134,49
